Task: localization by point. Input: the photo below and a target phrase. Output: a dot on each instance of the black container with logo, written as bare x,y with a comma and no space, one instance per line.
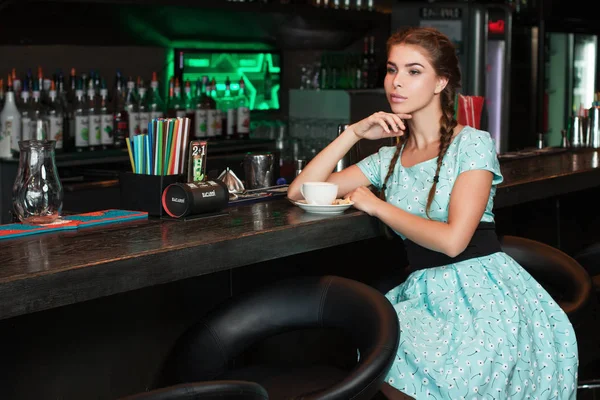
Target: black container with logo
192,198
141,192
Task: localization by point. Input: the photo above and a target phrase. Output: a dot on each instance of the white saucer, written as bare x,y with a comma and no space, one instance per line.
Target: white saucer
322,209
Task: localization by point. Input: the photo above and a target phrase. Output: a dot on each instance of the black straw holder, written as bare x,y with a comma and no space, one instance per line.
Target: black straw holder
141,192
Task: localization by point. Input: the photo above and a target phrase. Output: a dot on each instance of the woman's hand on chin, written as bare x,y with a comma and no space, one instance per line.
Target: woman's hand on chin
380,125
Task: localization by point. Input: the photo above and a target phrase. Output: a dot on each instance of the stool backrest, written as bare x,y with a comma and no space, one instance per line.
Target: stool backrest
570,283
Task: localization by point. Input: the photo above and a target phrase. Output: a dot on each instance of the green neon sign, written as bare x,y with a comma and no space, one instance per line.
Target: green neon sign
235,65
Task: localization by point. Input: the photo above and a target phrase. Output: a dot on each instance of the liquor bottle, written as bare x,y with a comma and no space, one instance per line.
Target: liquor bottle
120,117
212,115
156,105
72,87
40,85
268,82
229,112
201,122
55,118
365,64
373,72
324,72
118,87
97,83
28,80
177,102
106,119
189,102
10,121
68,126
94,118
2,96
39,122
243,112
17,85
219,127
131,105
25,109
82,120
143,108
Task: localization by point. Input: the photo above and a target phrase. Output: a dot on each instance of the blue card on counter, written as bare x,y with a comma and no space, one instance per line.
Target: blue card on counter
19,229
70,222
105,217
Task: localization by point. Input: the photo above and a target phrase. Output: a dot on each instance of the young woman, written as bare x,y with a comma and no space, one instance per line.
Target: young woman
474,323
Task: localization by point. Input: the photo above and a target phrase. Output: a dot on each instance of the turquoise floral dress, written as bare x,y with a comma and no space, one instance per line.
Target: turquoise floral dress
477,329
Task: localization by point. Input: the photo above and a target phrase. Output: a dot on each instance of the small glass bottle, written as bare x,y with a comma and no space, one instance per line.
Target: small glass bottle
106,119
243,112
55,118
93,120
10,123
82,121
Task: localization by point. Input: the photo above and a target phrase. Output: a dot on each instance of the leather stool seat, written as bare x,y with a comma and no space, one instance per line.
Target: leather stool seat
215,346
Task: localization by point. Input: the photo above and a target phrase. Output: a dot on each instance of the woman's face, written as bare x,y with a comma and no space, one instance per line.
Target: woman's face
411,82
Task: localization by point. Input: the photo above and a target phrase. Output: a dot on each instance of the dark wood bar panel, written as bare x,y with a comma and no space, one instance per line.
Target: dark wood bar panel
52,270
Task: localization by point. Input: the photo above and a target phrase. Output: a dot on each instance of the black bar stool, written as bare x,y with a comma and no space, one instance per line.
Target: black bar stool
560,274
211,348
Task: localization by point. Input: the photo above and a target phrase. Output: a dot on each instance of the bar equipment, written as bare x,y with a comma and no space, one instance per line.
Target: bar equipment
564,143
348,158
577,128
593,127
258,170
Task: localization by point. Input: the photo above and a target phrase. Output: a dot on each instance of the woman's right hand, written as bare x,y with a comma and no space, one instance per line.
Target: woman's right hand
380,125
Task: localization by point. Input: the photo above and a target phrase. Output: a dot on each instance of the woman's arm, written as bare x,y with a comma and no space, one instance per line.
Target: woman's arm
468,200
320,168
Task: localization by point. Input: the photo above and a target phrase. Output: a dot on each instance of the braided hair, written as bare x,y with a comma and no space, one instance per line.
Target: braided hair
442,56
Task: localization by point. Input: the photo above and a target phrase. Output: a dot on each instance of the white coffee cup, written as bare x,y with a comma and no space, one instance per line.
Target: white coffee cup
319,193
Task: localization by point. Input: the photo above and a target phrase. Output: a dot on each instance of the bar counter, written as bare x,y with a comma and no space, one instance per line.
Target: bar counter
46,271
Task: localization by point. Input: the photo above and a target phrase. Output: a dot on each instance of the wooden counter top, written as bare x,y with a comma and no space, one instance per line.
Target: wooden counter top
546,176
51,270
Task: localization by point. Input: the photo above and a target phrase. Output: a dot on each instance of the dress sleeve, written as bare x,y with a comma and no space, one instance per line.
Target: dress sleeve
477,151
371,167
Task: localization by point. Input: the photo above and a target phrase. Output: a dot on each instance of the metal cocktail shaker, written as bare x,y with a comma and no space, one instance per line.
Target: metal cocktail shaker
347,160
259,170
577,134
593,127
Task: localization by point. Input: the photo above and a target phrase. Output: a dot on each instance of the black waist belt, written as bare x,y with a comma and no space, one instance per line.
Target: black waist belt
484,242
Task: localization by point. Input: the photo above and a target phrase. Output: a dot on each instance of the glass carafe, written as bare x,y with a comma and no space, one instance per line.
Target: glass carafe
37,191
